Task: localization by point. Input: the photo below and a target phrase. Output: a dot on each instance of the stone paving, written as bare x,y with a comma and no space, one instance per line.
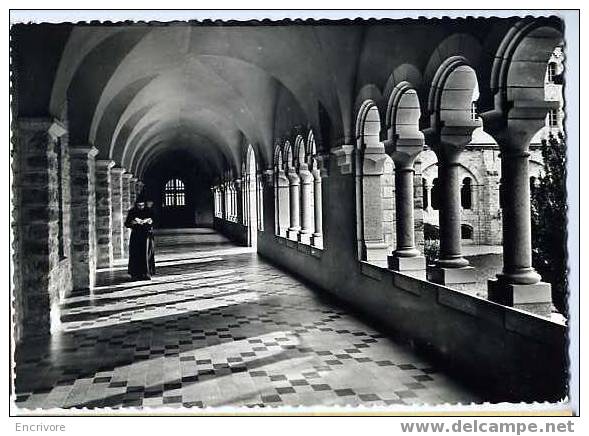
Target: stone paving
218,326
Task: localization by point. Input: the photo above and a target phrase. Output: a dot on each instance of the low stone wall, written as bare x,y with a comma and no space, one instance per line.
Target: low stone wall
498,349
235,231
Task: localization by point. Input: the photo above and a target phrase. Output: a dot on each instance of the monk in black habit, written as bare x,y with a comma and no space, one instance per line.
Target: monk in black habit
141,248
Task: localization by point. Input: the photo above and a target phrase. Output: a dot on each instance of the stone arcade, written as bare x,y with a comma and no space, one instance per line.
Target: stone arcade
319,146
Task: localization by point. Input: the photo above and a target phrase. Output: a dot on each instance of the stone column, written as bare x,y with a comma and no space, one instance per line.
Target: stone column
118,216
450,267
282,203
126,202
373,242
229,195
83,209
294,185
222,201
519,284
260,201
406,258
104,228
317,237
238,196
306,181
428,195
513,124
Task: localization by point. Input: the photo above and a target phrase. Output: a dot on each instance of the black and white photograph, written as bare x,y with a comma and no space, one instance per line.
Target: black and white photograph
304,215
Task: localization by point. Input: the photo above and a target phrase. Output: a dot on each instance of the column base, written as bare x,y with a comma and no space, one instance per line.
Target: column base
451,276
305,238
535,298
413,266
293,235
317,240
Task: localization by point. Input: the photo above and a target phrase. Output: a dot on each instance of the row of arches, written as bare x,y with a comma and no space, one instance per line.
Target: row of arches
431,194
453,117
241,201
298,196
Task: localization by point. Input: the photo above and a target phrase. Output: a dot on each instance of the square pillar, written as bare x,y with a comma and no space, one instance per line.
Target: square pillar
133,190
83,218
118,219
126,202
104,228
40,274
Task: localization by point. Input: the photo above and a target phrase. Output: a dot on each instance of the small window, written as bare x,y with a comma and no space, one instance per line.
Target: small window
473,111
466,193
435,195
553,118
174,193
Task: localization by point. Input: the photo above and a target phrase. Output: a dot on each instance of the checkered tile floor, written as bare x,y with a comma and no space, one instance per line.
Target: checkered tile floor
218,326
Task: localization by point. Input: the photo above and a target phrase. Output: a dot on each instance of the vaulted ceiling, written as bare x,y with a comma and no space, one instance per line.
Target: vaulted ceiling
137,91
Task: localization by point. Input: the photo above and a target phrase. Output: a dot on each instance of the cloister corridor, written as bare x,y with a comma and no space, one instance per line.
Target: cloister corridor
219,326
343,213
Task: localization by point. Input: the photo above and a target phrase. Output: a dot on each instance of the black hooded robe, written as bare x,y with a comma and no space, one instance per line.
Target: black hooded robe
141,249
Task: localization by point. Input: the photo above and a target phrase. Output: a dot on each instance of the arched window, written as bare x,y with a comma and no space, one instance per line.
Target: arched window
174,193
466,193
435,194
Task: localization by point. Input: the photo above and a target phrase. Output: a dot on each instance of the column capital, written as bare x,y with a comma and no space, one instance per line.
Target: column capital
517,121
83,151
404,150
293,176
343,158
57,130
373,159
451,134
305,175
105,163
268,177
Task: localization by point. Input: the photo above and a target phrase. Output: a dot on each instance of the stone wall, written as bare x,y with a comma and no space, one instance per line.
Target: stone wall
237,232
